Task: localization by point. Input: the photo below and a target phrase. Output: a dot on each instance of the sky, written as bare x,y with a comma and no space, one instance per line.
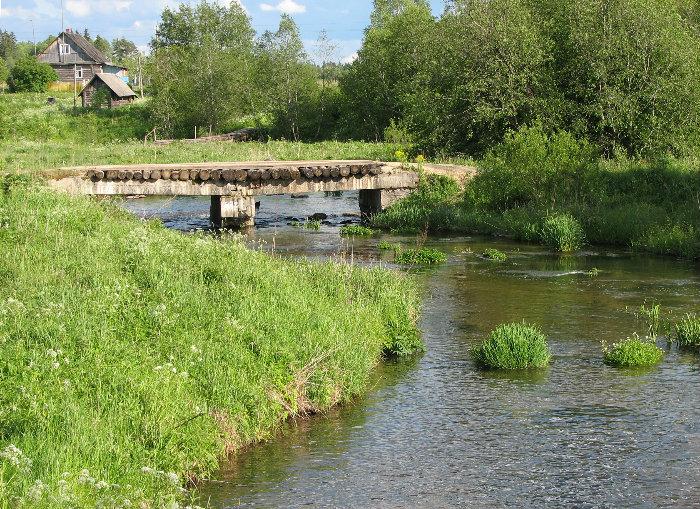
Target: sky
344,20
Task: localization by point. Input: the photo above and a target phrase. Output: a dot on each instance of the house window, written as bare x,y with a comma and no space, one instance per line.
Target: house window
78,73
64,49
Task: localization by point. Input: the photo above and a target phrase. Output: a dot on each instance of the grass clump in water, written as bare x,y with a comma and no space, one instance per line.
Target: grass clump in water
355,230
513,346
313,225
633,352
388,246
420,256
495,255
687,331
133,357
563,233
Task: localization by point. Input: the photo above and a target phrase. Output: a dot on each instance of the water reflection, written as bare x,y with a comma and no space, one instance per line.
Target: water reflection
437,432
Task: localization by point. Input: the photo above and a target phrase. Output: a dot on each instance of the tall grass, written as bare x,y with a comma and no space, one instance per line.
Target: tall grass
132,357
633,352
687,331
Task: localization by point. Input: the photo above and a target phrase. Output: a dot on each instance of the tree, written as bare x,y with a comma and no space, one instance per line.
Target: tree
8,45
289,79
202,65
104,46
123,49
4,71
86,34
30,75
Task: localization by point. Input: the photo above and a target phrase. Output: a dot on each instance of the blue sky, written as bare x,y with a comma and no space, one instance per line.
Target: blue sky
344,20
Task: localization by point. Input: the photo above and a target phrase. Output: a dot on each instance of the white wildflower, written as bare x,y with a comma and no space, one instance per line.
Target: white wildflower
36,492
100,485
52,353
173,478
16,457
55,365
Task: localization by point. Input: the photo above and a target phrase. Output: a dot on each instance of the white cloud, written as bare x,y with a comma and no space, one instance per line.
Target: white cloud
285,6
350,58
79,8
82,8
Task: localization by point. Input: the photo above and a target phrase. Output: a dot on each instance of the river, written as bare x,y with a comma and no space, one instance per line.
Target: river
435,431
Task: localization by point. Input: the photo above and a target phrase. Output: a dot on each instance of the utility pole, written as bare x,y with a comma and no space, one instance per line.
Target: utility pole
33,36
62,24
75,86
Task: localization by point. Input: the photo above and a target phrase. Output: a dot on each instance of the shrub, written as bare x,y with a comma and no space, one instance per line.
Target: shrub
563,233
513,346
356,231
313,225
687,331
495,255
30,75
633,352
420,256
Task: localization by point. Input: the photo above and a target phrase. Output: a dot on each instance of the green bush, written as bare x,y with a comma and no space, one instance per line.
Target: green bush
563,233
633,352
495,255
354,230
30,75
687,331
513,346
388,246
420,256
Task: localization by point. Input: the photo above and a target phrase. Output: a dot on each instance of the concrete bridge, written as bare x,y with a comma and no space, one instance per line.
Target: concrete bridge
234,186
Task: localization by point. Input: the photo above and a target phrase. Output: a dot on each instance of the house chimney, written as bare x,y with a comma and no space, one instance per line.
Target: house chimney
69,30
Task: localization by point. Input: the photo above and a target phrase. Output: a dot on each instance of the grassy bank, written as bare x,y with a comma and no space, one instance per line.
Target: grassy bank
133,357
37,136
556,191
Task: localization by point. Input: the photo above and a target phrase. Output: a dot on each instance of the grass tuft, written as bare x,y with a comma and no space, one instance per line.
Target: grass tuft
354,230
420,256
687,331
563,233
633,352
513,346
495,255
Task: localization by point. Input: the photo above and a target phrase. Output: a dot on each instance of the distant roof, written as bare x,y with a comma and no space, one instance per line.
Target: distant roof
114,83
89,48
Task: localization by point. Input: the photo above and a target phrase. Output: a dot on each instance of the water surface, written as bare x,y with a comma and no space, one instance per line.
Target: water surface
434,431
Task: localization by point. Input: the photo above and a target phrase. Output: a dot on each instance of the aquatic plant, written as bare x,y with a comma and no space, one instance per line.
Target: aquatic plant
495,255
140,356
563,233
420,256
633,352
513,346
355,230
652,316
313,225
687,331
388,246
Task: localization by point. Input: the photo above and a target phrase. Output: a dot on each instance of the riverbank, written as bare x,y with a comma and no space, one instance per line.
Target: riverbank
133,357
554,190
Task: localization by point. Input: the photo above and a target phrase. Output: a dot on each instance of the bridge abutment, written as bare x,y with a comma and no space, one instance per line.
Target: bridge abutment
234,212
373,201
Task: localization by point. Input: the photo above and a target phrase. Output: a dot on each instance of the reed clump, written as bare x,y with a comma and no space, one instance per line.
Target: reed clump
513,346
633,352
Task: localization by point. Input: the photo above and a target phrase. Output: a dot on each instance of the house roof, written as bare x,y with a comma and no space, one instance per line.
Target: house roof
114,83
95,55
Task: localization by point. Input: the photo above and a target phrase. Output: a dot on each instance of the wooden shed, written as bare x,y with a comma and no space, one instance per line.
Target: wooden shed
110,87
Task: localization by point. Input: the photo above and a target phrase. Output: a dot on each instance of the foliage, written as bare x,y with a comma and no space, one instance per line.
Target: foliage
495,255
354,230
313,225
563,233
4,71
419,256
633,352
131,369
30,75
687,331
513,346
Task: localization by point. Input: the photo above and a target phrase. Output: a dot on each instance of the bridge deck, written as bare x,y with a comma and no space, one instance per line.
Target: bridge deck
228,178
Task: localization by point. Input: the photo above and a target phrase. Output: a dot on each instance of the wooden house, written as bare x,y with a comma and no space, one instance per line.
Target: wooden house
77,60
111,90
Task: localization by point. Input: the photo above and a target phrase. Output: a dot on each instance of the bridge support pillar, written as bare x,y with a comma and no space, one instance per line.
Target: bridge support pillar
373,201
233,212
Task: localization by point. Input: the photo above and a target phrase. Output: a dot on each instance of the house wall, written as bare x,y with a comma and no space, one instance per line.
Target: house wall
66,72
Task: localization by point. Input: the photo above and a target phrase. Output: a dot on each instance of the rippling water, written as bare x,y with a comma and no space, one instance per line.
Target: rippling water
434,431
